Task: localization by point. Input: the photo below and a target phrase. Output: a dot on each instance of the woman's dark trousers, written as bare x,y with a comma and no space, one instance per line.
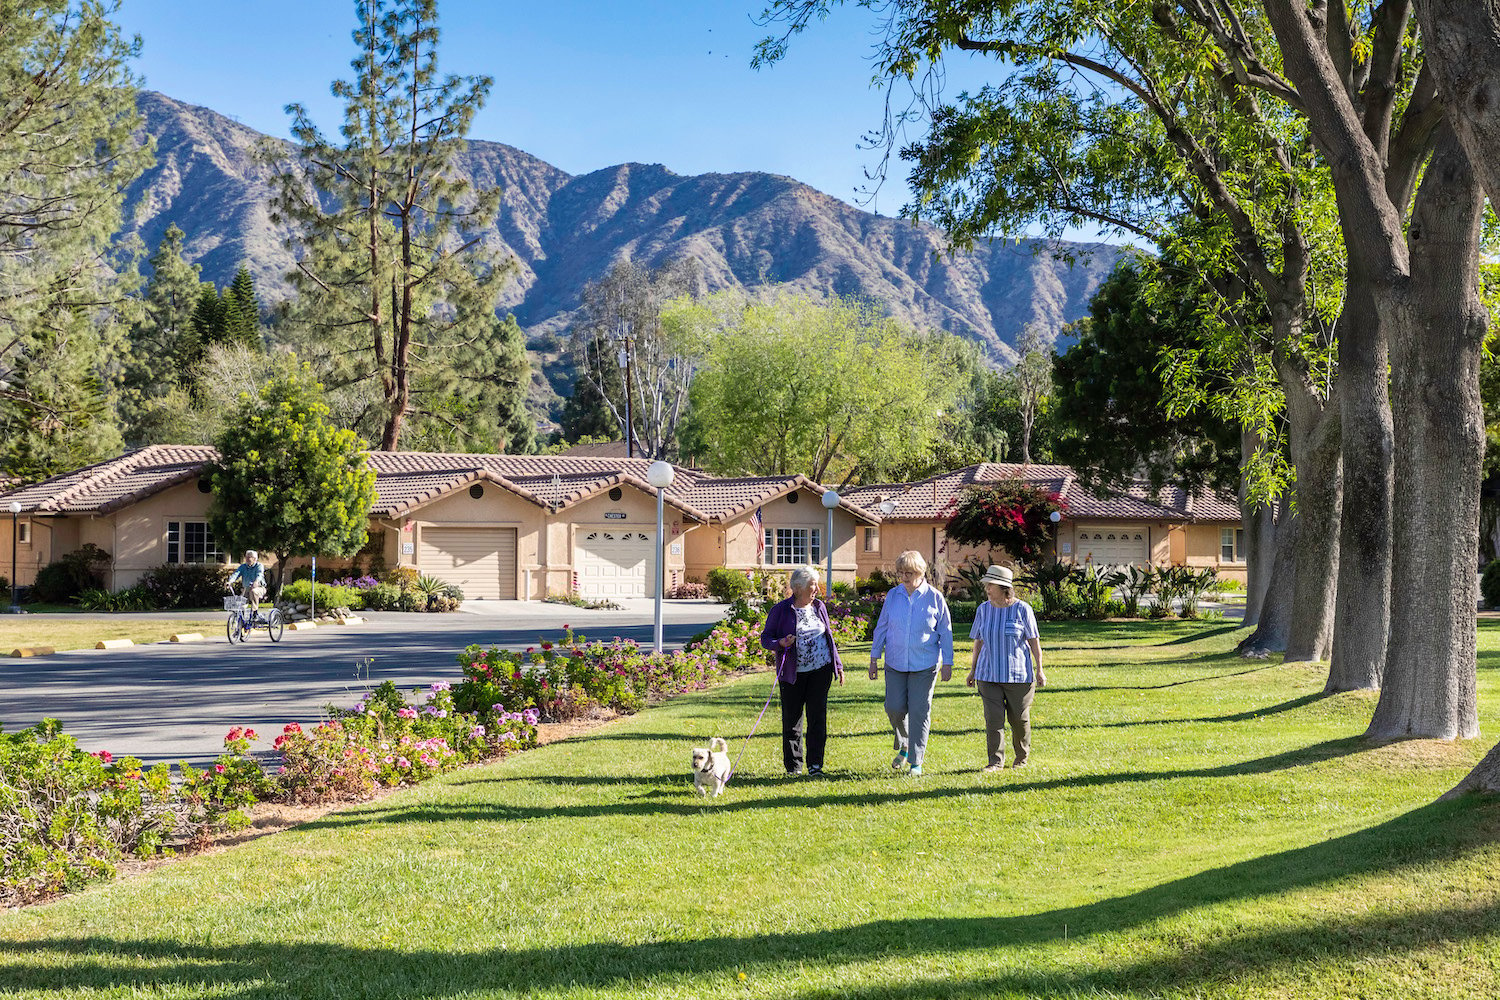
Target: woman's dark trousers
808,695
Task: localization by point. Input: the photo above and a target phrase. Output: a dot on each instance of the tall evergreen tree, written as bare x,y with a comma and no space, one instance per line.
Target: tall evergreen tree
244,312
392,272
157,371
68,151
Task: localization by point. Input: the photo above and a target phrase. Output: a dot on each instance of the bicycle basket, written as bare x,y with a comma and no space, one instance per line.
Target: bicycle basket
234,604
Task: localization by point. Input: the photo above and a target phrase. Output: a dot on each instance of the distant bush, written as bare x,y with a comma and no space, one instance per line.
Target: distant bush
186,585
1489,584
64,580
130,599
382,597
727,585
689,591
301,592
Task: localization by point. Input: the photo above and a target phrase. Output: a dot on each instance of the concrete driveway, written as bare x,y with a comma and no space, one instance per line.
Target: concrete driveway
167,702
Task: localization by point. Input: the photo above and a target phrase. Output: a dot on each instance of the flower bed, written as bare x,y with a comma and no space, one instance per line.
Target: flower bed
67,817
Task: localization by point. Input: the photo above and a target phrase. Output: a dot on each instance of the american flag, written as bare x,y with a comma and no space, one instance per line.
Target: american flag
758,525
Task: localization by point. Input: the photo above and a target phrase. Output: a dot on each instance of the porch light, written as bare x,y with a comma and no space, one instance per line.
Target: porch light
660,475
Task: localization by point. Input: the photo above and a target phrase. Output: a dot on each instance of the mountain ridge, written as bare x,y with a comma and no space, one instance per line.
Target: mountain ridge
745,229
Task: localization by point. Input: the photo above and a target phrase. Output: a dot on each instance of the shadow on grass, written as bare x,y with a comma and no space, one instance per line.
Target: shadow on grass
1081,688
1245,716
805,792
1197,962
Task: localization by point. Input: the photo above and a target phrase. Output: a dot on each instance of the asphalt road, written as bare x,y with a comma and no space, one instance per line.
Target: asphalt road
168,702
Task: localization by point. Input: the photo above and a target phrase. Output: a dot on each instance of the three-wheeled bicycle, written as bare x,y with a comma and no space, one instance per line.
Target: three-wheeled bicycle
245,615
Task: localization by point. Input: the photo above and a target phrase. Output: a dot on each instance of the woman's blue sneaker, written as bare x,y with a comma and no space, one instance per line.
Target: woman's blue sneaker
916,771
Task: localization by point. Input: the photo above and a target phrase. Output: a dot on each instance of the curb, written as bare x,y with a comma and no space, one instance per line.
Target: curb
186,637
113,643
300,626
25,651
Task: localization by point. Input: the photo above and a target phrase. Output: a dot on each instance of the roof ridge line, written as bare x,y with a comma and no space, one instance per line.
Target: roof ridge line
105,472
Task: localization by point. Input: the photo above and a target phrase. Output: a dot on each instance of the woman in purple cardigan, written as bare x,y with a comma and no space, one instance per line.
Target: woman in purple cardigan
807,661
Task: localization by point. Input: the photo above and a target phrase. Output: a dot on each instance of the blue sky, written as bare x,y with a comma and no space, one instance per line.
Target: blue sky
583,84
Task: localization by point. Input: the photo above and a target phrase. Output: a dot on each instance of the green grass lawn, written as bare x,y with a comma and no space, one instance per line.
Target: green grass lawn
1193,825
65,633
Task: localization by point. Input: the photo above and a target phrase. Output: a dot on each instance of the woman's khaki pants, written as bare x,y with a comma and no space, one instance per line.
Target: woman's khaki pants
1002,702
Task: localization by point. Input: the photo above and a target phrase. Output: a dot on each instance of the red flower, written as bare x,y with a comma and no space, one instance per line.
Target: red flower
234,734
219,768
292,727
546,645
104,756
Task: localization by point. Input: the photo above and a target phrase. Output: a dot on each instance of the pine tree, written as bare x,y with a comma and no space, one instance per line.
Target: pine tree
157,371
392,273
244,313
68,151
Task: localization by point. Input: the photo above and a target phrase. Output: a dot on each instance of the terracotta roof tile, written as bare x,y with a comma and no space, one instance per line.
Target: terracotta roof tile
929,498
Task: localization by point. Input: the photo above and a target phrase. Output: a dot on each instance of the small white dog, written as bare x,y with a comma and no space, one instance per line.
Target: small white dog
711,766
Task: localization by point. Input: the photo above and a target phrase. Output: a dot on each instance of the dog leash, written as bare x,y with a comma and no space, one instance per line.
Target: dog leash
746,745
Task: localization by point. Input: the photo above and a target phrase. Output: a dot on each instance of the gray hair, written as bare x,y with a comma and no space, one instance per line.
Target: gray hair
251,554
911,559
803,575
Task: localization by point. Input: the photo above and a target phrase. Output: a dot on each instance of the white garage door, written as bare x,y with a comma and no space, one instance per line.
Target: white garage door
614,562
1112,547
482,561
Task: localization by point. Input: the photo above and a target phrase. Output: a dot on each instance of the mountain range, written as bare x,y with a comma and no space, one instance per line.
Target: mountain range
566,230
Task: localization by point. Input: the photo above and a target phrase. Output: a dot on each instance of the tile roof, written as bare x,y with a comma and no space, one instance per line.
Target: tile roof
928,499
406,480
108,486
726,499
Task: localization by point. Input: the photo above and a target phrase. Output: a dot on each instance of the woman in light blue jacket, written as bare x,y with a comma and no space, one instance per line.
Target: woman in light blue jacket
915,633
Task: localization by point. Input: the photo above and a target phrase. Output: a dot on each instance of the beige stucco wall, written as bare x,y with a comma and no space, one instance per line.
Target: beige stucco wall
739,542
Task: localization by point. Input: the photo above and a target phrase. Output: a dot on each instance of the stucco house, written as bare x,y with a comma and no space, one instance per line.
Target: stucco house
1132,527
518,527
502,527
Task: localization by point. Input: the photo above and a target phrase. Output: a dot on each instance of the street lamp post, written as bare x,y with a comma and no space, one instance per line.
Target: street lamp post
660,476
830,501
15,535
1056,518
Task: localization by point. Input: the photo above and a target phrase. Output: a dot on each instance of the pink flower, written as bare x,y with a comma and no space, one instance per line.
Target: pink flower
251,734
403,762
234,734
104,756
219,768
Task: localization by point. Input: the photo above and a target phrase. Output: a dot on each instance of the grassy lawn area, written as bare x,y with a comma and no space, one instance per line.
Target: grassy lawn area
71,633
1192,825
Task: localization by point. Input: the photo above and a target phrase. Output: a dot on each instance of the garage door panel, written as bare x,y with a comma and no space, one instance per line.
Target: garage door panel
613,563
1113,547
481,561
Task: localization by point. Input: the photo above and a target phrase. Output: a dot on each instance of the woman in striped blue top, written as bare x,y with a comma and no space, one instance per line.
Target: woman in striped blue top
1007,667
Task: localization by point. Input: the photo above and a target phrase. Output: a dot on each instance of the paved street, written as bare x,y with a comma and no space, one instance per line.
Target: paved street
166,702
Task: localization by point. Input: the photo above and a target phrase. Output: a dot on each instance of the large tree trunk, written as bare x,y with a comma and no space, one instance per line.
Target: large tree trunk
1461,47
1313,427
1429,685
1362,609
1275,625
1259,523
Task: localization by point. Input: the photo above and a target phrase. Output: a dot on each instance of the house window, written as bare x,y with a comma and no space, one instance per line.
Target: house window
1231,545
872,539
793,546
191,542
23,533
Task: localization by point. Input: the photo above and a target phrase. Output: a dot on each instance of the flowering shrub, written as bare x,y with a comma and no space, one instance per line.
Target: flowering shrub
366,582
854,621
1013,515
384,740
67,816
573,676
212,800
688,591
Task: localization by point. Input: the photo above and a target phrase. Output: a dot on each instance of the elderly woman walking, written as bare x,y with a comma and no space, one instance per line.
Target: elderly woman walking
1007,667
807,660
915,632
